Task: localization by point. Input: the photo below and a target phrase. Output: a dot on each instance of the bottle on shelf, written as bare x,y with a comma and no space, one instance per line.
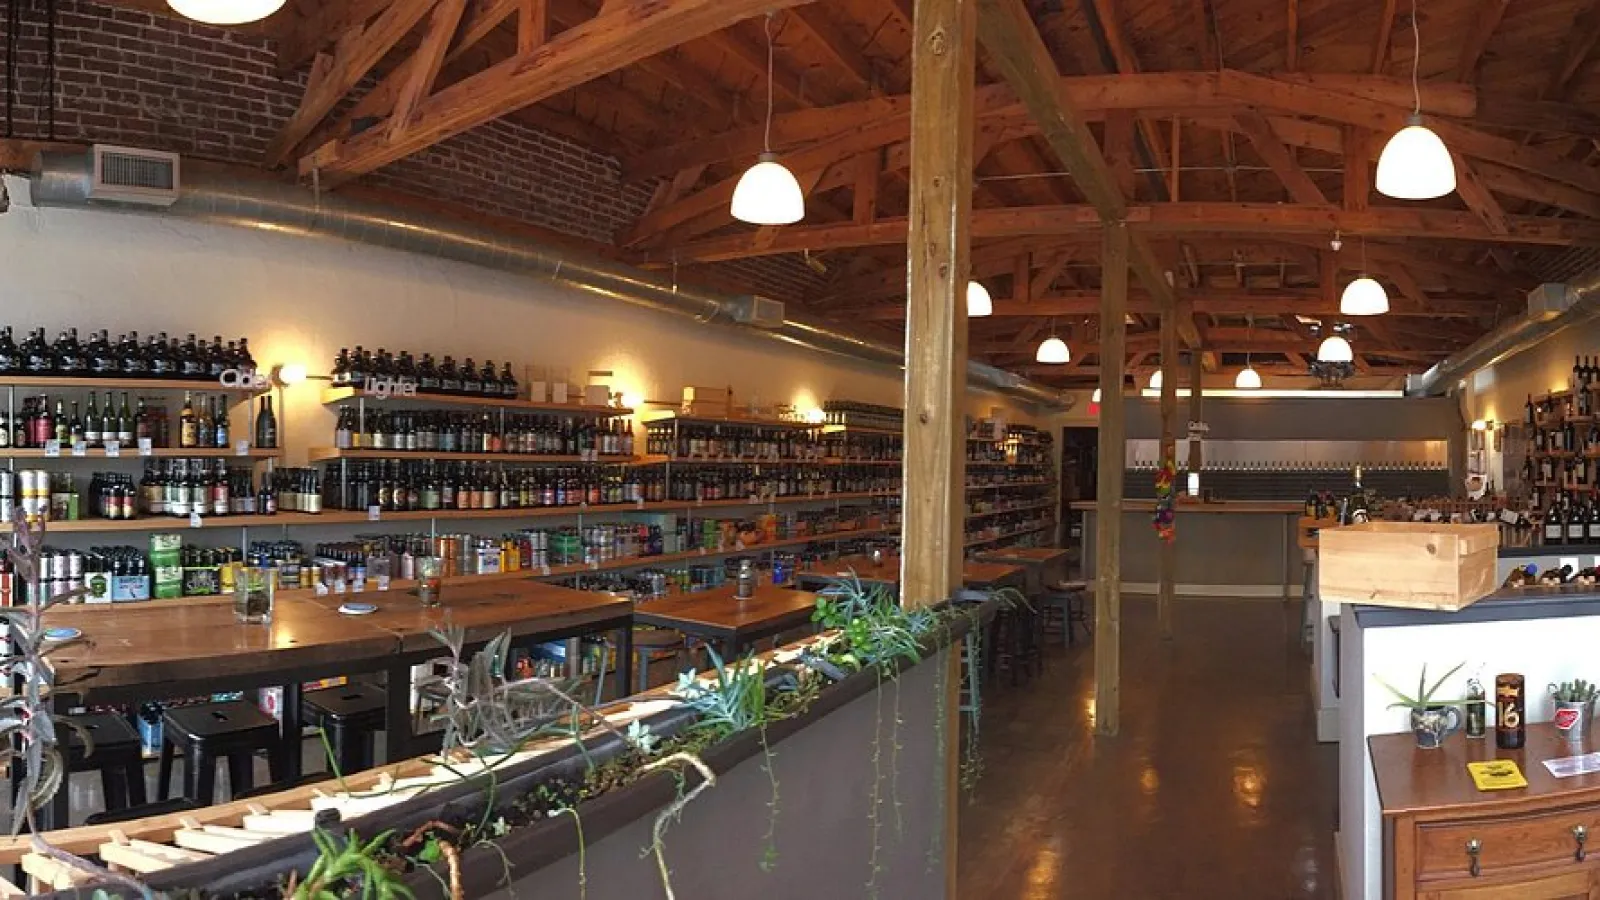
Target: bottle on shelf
266,425
188,424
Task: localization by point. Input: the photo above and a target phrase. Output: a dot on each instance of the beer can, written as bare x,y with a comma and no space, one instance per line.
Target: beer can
1510,707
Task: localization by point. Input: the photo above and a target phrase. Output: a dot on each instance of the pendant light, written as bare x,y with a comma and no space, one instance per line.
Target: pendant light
1415,164
1335,349
1248,378
225,12
979,303
1364,296
1095,398
1053,350
767,193
1155,380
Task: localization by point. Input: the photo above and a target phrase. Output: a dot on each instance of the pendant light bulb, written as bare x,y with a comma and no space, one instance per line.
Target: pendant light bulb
768,194
1053,351
1364,297
1335,349
1155,380
225,12
1248,379
1415,164
979,303
1095,397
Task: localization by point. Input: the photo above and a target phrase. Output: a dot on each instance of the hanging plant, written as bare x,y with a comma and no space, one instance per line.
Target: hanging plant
1166,517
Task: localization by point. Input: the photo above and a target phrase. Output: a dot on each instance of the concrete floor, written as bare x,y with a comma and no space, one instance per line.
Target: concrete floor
1215,788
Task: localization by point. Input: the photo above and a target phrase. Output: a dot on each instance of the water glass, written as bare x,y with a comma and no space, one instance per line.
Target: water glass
253,590
430,571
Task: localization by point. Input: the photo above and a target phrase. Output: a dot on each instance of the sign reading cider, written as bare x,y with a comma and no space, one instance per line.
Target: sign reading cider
240,379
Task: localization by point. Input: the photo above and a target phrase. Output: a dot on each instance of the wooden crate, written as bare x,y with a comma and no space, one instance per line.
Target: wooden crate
1417,565
1310,527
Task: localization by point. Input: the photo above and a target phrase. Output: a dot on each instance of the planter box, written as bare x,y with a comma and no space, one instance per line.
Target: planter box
1416,565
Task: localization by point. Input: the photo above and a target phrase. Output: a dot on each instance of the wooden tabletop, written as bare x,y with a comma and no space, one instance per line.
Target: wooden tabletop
1260,507
151,643
1028,556
485,610
974,573
715,613
1422,781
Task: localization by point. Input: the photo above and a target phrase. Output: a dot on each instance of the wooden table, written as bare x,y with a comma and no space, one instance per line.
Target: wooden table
1043,565
974,574
162,649
717,616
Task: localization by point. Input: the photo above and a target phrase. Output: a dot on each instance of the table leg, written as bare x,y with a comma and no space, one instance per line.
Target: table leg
625,660
574,660
730,648
397,717
293,732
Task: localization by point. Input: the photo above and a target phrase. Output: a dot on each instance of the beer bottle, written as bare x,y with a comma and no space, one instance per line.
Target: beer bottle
1510,706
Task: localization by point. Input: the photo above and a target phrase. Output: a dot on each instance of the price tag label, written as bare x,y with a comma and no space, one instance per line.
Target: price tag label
52,448
738,545
638,504
321,589
241,448
544,568
113,449
697,501
144,446
594,565
755,500
701,551
383,582
194,520
374,513
583,504
80,448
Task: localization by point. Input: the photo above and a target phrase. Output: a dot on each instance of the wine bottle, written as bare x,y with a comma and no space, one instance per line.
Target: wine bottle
219,429
188,424
266,425
93,431
1555,529
125,426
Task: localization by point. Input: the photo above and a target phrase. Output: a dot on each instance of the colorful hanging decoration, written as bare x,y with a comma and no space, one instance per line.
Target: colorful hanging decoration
1166,517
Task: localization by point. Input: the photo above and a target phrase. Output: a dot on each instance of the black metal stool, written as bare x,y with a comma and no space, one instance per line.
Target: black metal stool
351,716
158,808
235,730
116,753
650,644
1013,641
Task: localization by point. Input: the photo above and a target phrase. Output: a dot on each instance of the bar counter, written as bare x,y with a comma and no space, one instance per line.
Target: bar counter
1228,548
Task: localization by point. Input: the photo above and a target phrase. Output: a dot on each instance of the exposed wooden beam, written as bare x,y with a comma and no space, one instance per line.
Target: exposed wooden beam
333,76
1291,44
1483,28
1200,26
785,83
1260,219
1476,195
331,20
423,68
836,46
1300,186
1357,168
864,202
624,32
1380,49
533,24
1113,461
1008,33
1210,301
1581,38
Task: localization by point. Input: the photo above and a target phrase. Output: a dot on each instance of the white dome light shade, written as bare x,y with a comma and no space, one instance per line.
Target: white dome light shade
1415,164
1248,379
1054,351
979,303
1335,349
1096,397
1155,380
767,194
225,12
1364,297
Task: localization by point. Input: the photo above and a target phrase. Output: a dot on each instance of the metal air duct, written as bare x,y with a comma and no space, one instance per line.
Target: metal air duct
1551,308
63,179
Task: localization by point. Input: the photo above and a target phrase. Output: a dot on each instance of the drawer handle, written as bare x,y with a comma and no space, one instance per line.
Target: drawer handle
1474,847
1580,834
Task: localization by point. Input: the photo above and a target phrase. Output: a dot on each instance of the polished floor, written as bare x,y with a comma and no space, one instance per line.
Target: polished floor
1215,787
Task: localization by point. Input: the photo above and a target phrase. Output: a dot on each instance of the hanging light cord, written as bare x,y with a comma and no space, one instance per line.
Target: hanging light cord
766,138
1249,333
1416,58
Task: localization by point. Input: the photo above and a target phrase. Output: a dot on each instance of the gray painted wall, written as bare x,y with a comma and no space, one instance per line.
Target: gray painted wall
826,777
1310,419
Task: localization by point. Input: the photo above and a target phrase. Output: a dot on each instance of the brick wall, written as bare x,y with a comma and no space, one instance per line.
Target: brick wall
129,77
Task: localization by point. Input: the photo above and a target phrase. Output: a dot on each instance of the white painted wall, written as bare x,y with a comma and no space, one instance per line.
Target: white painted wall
1542,650
300,299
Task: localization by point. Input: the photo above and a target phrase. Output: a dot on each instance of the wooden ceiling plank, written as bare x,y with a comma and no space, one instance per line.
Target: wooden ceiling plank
836,45
322,29
1357,183
1380,49
785,83
1291,46
1200,25
1299,185
1476,195
864,201
1048,273
1483,27
353,57
1007,31
623,33
1580,42
1214,302
423,67
533,24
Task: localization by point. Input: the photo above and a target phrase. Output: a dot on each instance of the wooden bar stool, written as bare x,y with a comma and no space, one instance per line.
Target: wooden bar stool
351,716
209,731
116,754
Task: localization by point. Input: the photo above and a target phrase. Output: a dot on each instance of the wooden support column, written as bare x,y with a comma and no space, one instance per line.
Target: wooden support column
1167,558
943,59
1197,411
1113,456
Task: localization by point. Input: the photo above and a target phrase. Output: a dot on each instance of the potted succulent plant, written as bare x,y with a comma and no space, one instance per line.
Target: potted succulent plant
1431,718
1574,702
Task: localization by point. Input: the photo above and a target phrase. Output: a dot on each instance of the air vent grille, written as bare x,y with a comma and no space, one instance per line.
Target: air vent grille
124,170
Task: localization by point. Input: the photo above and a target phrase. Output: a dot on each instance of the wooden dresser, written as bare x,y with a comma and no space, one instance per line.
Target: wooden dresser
1446,840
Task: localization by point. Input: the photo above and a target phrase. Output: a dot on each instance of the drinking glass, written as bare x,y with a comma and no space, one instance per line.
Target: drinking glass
253,590
430,570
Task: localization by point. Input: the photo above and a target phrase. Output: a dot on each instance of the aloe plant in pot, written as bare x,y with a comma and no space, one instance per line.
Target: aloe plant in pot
1431,718
1574,707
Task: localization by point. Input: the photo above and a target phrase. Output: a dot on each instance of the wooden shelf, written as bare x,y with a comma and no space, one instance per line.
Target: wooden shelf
323,454
1008,484
861,429
1010,534
131,385
670,416
657,460
173,523
1000,512
133,453
999,464
346,394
